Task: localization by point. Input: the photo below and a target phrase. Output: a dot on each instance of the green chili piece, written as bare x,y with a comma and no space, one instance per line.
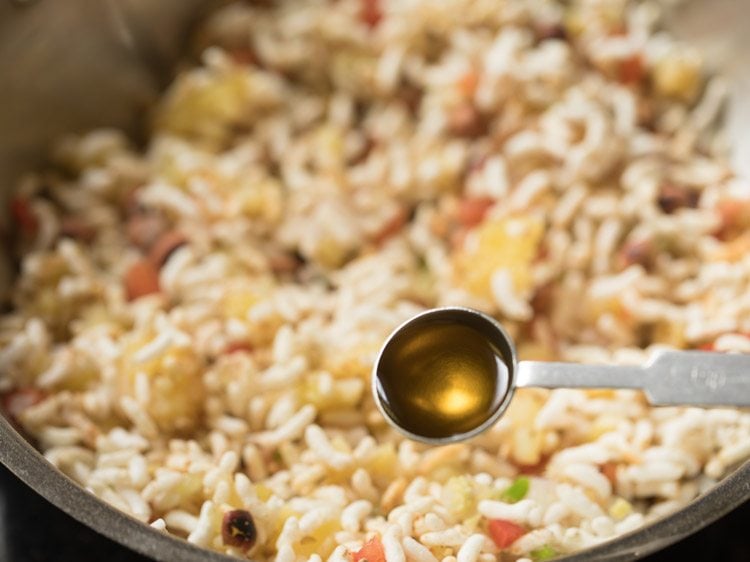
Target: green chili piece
543,553
516,491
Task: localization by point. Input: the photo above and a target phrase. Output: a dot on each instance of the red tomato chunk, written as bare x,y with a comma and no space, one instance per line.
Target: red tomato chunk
372,551
472,211
631,70
141,279
505,533
371,13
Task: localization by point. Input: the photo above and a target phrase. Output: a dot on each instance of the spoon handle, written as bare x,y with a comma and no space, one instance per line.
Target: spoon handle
674,378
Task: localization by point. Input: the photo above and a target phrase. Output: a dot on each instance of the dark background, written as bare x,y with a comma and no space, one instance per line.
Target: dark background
32,530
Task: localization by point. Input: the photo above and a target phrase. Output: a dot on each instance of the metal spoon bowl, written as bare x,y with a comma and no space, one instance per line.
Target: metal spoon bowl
486,327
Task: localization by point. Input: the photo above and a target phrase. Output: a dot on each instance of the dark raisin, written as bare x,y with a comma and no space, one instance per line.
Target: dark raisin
411,96
673,197
636,252
543,299
646,114
165,246
545,31
464,120
367,145
76,228
238,529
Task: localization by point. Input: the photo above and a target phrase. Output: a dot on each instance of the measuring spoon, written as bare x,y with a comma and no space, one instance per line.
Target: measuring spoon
425,388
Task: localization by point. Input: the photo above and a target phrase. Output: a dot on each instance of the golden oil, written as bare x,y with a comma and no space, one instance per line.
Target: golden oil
441,379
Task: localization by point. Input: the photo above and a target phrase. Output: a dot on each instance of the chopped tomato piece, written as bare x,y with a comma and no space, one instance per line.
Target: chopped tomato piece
734,217
631,69
141,279
609,469
372,551
467,84
24,216
472,211
505,533
731,211
710,346
371,13
534,469
238,346
729,215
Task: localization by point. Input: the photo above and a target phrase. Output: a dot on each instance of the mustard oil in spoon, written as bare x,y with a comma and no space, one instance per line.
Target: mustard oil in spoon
440,380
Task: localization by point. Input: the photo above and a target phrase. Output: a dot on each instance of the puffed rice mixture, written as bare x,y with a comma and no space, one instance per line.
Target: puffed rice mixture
194,322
